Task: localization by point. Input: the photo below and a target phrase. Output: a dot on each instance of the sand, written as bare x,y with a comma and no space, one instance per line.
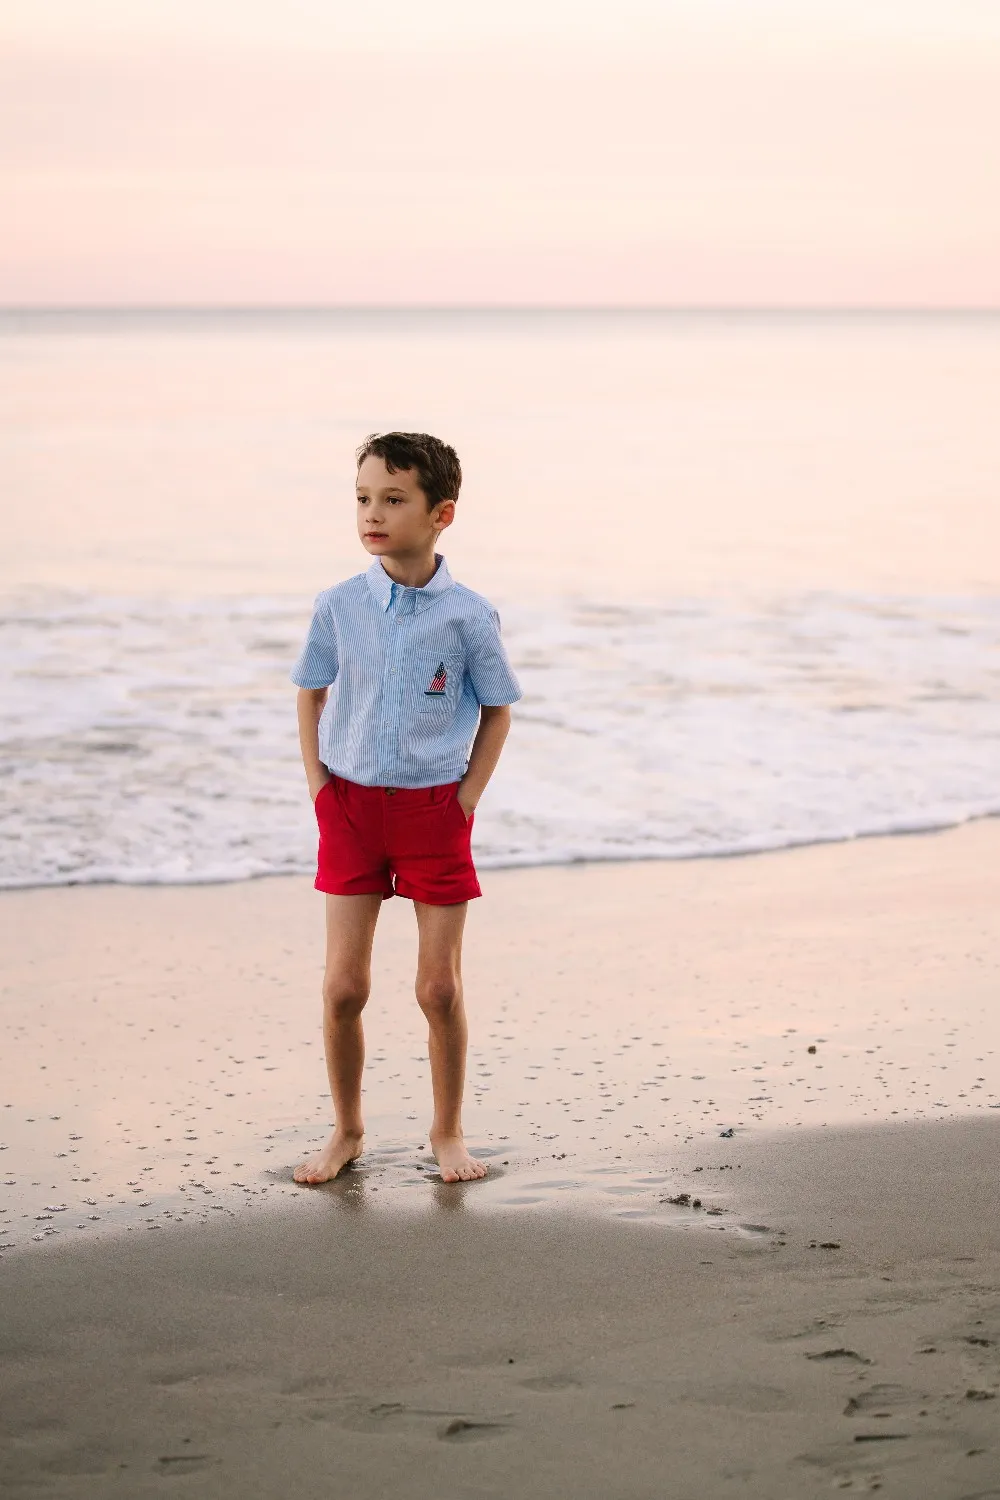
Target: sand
376,1353
828,1316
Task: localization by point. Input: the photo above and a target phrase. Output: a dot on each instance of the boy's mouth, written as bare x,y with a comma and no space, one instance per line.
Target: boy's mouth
376,536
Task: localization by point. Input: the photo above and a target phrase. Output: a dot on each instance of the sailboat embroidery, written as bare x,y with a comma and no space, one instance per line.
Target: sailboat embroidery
439,683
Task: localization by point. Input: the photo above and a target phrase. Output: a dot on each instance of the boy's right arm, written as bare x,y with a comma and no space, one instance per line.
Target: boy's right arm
310,703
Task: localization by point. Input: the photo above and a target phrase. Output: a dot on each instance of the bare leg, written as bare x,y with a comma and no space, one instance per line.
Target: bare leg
439,993
350,932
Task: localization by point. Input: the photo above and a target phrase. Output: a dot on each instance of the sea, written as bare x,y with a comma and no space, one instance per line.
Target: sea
747,565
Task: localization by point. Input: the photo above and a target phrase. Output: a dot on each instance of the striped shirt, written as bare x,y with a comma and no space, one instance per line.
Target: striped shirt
407,671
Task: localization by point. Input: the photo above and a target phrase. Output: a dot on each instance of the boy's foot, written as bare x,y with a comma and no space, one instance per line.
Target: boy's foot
340,1149
454,1160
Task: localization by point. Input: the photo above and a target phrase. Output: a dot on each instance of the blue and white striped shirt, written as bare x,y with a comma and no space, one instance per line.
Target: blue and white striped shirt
407,671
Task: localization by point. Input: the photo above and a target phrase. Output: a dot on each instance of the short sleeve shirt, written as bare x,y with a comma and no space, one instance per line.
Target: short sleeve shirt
408,670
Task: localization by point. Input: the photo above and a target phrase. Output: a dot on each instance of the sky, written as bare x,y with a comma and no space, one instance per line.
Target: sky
610,152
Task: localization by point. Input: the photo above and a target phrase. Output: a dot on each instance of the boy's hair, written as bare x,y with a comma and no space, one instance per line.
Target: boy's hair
437,465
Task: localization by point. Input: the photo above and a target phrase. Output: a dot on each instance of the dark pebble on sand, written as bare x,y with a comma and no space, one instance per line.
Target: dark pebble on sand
973,1395
810,1049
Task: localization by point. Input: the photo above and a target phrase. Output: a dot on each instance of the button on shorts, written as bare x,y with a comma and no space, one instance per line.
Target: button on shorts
395,841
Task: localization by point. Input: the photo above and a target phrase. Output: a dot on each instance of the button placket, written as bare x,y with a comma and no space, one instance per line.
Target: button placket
400,613
388,713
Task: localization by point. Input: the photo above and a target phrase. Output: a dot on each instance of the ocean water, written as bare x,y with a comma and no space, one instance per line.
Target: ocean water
748,569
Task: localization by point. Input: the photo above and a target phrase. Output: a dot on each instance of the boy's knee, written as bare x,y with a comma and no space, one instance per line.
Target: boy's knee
344,996
439,996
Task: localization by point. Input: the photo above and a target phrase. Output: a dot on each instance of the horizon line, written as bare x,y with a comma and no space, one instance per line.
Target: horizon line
677,308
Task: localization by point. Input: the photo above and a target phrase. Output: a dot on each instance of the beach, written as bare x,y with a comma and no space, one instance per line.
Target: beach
825,1316
732,986
684,321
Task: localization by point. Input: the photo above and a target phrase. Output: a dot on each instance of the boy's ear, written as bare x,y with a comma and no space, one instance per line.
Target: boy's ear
445,513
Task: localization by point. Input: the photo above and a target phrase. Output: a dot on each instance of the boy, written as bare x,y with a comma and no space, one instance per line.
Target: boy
401,670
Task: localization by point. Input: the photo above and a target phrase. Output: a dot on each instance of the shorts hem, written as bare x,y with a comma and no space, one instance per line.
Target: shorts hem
426,899
333,888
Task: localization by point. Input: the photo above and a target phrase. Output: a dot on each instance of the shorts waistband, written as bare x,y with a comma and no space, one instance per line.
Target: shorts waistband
394,791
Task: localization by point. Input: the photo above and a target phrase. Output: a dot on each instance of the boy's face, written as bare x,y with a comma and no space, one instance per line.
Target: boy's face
394,519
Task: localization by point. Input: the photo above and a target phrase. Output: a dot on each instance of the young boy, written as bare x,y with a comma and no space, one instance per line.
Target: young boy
402,669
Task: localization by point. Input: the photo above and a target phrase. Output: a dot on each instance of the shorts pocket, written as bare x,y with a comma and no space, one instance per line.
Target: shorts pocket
321,795
466,822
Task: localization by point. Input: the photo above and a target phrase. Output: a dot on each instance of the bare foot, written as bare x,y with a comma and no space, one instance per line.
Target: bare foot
454,1160
340,1149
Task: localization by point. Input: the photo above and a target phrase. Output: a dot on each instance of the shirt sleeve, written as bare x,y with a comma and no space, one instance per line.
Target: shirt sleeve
489,669
318,664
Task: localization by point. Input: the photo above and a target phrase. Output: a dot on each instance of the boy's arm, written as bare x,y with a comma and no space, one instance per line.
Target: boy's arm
494,724
310,704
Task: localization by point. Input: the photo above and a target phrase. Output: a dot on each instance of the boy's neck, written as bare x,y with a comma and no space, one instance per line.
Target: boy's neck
411,572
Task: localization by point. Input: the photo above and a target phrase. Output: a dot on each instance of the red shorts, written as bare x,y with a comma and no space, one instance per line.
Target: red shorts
403,841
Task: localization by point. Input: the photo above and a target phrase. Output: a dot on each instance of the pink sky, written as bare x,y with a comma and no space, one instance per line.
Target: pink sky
644,151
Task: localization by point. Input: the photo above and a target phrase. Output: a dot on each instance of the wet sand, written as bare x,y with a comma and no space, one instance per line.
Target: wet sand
578,1324
373,1352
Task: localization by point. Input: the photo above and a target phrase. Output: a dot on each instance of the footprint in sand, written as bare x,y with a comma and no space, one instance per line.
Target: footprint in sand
452,1426
880,1400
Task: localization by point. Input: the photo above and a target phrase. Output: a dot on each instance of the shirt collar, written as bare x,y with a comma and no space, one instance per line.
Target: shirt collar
381,585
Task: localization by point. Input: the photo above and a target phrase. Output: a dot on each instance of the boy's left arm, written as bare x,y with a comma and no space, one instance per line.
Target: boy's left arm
497,688
494,725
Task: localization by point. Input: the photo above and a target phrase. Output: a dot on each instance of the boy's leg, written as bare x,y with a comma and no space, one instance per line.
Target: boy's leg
350,932
439,994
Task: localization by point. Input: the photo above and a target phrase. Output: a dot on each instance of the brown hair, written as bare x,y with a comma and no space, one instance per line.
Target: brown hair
437,465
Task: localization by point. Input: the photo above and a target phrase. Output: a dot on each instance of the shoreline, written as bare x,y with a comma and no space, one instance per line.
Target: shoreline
544,862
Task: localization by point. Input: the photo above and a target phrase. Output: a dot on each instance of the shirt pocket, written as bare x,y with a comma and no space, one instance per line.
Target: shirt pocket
436,684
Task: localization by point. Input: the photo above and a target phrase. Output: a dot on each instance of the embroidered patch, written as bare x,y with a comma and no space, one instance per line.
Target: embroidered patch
439,683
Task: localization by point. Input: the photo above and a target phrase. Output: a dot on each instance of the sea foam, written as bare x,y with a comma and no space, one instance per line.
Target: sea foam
153,740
